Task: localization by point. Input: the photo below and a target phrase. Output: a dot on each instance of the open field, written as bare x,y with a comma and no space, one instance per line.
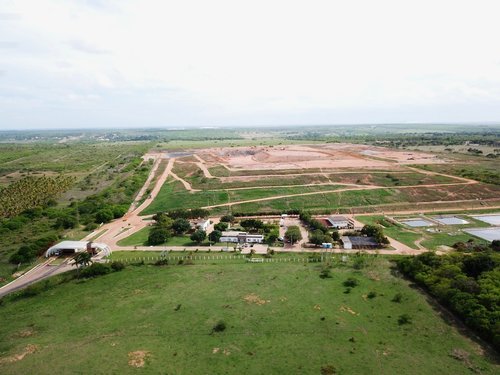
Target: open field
140,238
281,318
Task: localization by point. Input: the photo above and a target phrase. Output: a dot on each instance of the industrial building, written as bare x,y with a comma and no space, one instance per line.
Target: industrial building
241,237
359,242
339,222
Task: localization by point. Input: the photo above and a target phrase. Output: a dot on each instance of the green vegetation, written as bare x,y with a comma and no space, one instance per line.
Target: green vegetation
98,181
434,241
468,284
349,200
31,192
283,311
173,196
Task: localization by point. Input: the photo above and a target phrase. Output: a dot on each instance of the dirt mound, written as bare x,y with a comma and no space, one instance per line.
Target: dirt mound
253,298
348,309
30,349
138,358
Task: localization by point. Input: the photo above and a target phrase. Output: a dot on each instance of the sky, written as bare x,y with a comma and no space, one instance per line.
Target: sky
96,63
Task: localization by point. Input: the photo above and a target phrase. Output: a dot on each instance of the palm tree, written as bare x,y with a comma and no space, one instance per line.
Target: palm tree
82,259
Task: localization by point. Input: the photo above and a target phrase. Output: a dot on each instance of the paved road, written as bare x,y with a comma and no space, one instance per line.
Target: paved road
37,273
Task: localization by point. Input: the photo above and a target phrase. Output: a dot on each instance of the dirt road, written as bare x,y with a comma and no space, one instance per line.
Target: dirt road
132,222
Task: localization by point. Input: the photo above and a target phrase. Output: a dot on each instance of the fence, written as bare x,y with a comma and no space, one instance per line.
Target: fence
211,258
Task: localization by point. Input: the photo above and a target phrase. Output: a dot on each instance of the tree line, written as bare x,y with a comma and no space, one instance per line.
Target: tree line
466,283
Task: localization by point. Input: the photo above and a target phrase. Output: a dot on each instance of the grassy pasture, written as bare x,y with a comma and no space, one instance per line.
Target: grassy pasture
364,198
140,238
173,196
281,318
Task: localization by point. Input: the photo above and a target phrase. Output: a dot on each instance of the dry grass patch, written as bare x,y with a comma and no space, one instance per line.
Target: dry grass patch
138,358
30,349
253,298
348,309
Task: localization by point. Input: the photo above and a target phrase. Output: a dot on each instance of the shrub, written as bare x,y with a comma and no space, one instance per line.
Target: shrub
91,226
220,326
117,266
30,291
325,273
398,298
103,216
161,262
95,269
404,319
351,282
372,295
359,263
328,370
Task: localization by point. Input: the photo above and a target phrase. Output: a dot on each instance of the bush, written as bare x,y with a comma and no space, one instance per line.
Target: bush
328,370
95,269
351,282
117,266
398,298
404,319
104,216
220,326
359,263
30,291
325,273
161,262
372,295
91,226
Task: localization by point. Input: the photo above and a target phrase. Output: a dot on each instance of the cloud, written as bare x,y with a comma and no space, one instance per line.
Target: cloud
83,46
225,62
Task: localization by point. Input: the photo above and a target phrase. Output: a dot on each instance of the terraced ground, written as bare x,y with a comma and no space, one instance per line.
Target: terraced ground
202,183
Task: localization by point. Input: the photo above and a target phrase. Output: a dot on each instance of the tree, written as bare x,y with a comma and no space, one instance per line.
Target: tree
371,230
495,245
65,222
376,232
222,226
227,219
158,235
293,234
198,236
250,224
272,236
181,225
215,236
317,237
103,216
82,259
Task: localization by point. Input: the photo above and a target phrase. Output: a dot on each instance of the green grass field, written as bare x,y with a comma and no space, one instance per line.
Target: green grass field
173,196
279,318
140,238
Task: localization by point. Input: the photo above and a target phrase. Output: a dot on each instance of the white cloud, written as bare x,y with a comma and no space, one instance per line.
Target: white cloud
202,62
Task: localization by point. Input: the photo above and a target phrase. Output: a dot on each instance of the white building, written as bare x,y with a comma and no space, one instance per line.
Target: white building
241,237
202,225
340,222
73,247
